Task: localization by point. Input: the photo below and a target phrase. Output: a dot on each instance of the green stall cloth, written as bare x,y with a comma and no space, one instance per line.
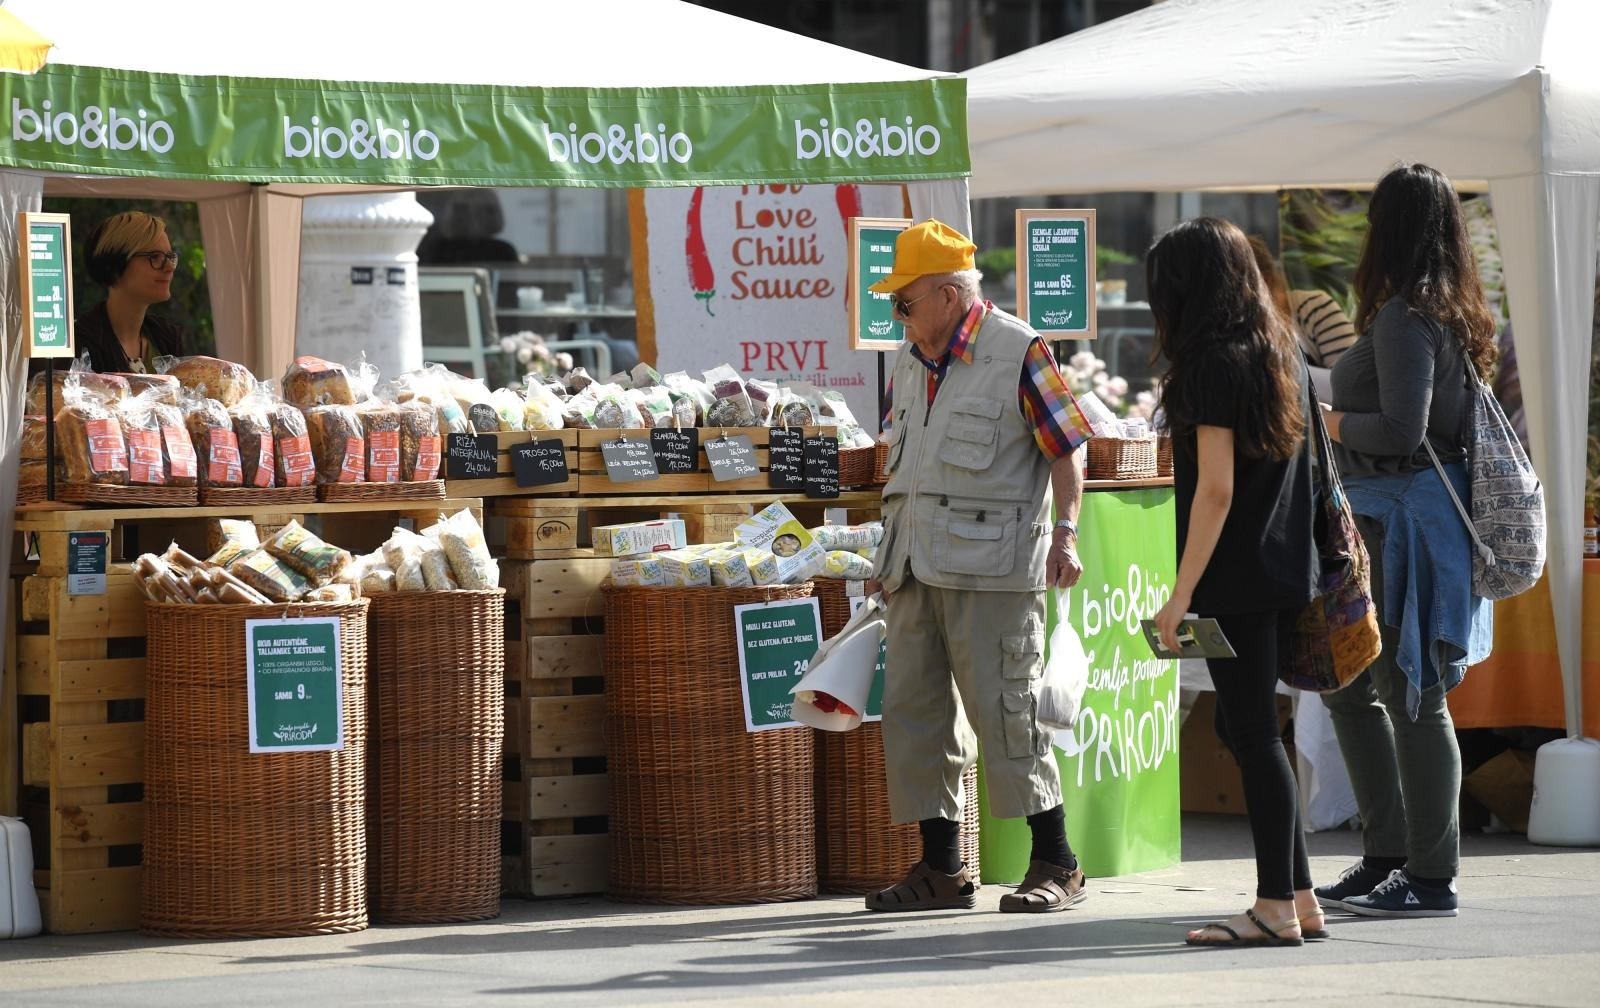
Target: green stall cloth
1119,766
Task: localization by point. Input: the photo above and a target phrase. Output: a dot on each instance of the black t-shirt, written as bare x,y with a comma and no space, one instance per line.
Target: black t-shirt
93,333
1265,557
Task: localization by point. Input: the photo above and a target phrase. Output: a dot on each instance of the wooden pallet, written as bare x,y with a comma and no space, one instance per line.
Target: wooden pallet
77,706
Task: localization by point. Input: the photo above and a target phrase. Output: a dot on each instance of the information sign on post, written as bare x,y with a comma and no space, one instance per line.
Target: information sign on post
1055,272
86,562
45,281
776,642
872,322
295,694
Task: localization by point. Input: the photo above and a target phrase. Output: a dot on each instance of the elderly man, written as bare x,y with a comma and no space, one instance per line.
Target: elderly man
980,424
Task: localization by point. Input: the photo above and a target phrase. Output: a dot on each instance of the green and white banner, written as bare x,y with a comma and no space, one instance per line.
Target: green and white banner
91,119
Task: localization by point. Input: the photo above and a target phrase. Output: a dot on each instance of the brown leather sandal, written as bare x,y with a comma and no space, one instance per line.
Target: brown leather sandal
1046,888
923,888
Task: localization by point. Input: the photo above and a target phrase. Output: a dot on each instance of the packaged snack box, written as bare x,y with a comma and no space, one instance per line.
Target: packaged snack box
763,566
685,569
728,569
777,531
642,573
635,538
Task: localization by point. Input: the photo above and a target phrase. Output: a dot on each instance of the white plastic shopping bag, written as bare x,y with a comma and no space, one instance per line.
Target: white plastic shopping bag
833,692
1066,674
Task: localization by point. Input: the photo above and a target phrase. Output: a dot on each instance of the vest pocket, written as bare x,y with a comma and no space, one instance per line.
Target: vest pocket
972,433
983,548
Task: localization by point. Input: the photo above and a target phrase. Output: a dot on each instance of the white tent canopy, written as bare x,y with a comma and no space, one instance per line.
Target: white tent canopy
1193,94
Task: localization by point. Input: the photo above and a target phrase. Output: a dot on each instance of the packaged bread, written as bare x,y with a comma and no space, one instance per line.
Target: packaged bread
270,576
291,445
141,430
224,381
306,552
462,539
337,444
109,387
34,434
380,427
140,382
177,447
90,437
312,381
211,431
35,473
252,428
420,447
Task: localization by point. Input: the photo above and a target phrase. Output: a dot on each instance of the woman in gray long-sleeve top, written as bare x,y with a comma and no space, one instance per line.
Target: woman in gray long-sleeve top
1424,322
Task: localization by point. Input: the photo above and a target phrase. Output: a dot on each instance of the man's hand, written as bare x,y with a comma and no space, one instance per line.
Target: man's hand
1062,567
875,587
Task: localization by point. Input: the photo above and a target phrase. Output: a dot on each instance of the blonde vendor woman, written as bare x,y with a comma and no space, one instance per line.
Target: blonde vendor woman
131,255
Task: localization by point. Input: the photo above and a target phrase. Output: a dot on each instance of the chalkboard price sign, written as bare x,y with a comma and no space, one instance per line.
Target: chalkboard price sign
676,451
629,461
821,466
786,459
471,456
539,463
732,458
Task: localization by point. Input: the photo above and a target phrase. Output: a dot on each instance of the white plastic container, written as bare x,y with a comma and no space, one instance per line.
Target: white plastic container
1566,794
19,903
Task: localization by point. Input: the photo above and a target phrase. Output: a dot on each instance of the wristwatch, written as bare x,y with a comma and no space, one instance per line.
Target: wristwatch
1068,524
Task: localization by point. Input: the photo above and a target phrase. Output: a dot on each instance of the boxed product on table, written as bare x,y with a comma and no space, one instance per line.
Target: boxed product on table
684,568
763,566
728,568
777,531
644,572
635,538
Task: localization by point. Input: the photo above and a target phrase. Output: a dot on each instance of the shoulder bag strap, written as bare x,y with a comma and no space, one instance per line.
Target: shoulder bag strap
1483,551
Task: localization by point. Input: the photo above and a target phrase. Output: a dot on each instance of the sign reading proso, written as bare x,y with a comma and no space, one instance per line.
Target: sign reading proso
1055,272
82,118
45,279
872,322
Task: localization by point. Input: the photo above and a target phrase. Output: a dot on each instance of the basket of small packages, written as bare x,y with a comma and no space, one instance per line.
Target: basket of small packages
279,693
1120,449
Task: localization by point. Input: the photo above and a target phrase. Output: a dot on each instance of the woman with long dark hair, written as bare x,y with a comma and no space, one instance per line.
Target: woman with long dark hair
1401,390
1235,396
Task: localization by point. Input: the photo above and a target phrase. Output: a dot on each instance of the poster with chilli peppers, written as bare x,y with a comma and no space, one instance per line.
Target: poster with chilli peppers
755,277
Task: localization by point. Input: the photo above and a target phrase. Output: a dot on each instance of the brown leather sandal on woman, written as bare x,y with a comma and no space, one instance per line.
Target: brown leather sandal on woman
1046,888
926,889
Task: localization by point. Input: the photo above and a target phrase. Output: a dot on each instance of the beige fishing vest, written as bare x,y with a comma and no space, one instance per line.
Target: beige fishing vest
966,503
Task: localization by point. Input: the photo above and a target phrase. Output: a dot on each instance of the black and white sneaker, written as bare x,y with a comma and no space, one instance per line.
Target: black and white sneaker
1357,880
1401,896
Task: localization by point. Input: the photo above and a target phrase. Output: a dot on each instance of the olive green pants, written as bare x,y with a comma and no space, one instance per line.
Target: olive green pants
963,670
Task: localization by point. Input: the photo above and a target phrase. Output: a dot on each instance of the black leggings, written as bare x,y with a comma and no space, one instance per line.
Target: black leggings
1247,723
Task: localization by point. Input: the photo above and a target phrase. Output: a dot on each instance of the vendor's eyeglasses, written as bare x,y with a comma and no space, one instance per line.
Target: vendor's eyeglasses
902,307
156,259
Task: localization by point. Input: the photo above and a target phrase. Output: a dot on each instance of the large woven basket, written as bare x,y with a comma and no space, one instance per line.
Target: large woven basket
1164,455
701,811
880,461
436,731
242,844
858,467
1121,458
858,849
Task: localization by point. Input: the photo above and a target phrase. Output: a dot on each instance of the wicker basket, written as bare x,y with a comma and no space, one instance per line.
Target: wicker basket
880,461
333,493
215,496
701,811
858,467
1164,455
133,495
436,730
858,849
1122,458
242,844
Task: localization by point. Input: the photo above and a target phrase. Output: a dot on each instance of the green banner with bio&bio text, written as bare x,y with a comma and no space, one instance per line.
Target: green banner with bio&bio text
1119,765
92,119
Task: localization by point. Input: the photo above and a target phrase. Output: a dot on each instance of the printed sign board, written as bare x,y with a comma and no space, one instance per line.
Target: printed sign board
1055,272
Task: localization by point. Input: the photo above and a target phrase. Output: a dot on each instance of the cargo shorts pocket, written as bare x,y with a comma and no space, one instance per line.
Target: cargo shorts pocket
1021,665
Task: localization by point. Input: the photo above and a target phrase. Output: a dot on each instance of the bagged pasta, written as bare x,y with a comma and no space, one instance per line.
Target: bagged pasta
333,593
846,565
215,446
644,376
578,411
403,545
237,537
252,428
408,577
613,409
141,430
509,407
541,409
732,407
436,571
762,395
691,397
306,552
89,437
577,380
654,405
312,381
338,445
269,575
373,573
468,553
380,428
421,449
847,537
224,381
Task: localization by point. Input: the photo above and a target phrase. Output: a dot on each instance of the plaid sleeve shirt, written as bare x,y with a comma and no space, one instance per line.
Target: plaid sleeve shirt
1047,404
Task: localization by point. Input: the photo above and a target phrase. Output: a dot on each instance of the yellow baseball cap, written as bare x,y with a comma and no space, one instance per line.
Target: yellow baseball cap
925,249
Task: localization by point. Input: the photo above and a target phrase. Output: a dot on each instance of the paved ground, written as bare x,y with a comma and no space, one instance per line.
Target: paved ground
1529,934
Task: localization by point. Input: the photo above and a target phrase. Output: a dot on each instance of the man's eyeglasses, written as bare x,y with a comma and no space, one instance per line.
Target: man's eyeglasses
156,259
902,307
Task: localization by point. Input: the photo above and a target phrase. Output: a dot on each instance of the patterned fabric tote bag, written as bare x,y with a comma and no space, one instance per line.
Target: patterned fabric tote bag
1336,637
1507,520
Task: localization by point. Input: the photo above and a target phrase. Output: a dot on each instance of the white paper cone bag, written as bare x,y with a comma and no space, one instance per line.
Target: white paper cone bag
842,668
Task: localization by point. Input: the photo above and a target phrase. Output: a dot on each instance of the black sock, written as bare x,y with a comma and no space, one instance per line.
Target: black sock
1050,838
941,844
1431,883
1383,864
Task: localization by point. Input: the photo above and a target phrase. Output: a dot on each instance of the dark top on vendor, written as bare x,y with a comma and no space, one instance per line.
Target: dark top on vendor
130,254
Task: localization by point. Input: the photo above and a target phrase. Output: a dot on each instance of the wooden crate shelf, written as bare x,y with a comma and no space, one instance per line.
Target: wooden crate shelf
504,484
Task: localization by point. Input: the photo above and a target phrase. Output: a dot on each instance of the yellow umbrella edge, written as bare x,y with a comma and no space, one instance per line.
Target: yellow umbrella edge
22,50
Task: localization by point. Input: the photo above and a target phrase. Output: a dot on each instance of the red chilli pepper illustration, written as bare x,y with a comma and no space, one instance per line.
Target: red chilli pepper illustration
849,199
701,276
